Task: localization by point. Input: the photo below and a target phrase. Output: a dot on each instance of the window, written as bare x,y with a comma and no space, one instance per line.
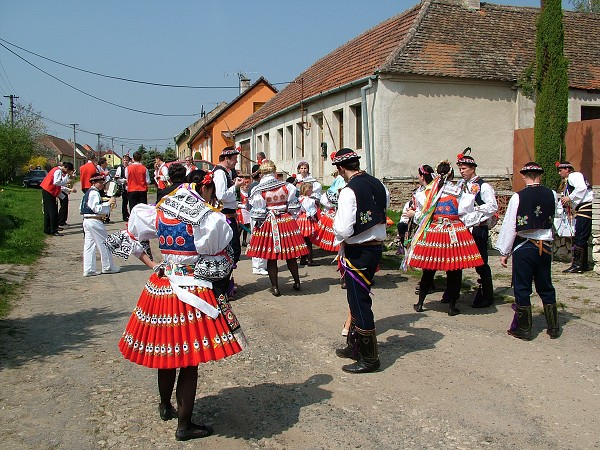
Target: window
266,143
357,113
256,106
338,117
289,142
280,143
590,112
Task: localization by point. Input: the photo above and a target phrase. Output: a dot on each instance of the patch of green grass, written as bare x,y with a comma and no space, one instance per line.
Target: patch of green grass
8,293
22,239
395,216
586,301
390,261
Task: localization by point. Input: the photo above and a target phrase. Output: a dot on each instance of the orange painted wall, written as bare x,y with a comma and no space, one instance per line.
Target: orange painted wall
231,118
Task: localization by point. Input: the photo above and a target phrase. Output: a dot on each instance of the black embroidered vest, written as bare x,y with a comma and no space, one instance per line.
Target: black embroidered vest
537,207
370,201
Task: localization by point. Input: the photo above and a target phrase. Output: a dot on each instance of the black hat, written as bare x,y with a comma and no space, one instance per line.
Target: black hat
465,158
532,166
230,151
344,155
564,165
97,177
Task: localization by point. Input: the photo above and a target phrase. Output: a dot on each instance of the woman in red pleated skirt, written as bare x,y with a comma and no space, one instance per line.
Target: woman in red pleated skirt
307,220
182,317
442,242
276,235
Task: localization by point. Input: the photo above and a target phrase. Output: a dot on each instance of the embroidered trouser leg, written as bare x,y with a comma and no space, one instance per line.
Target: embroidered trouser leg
365,260
529,266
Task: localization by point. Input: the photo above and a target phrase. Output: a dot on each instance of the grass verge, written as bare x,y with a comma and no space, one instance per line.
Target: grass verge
22,239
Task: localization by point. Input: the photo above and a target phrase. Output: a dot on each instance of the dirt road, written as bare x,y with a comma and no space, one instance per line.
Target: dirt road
445,382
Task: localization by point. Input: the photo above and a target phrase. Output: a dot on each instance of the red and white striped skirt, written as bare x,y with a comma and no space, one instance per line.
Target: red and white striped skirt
306,225
283,242
166,333
324,234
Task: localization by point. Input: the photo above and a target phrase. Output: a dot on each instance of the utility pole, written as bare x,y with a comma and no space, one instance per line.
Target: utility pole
12,107
98,146
74,145
122,154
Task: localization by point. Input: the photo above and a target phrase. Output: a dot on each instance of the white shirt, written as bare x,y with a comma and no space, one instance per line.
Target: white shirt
345,218
489,207
224,194
508,232
94,202
162,173
581,193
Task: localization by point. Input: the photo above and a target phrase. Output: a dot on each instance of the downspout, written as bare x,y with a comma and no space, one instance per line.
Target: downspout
252,145
365,124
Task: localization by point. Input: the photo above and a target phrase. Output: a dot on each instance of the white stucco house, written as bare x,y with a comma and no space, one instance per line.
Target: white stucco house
420,87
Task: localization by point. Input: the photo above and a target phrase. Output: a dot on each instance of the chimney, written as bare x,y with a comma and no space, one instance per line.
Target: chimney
472,4
244,83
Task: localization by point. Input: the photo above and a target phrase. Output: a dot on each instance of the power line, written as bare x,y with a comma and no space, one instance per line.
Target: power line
185,86
93,96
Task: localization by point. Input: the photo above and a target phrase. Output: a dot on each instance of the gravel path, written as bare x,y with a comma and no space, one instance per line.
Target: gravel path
445,382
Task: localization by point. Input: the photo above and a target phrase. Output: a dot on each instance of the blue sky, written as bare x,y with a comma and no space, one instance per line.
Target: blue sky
199,43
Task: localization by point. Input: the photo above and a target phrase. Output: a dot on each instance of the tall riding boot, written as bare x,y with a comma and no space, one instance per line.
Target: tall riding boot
583,265
551,313
523,323
351,348
485,294
368,360
577,259
453,310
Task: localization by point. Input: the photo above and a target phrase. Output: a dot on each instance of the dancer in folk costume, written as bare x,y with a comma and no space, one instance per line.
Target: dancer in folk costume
304,176
276,234
243,215
442,242
183,317
324,234
307,220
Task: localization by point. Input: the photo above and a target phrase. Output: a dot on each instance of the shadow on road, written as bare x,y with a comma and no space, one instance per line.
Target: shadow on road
263,410
44,335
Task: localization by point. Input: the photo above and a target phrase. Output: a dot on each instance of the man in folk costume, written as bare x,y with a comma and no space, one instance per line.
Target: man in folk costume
360,229
526,234
161,174
94,210
86,171
578,197
481,219
52,185
120,179
227,183
138,179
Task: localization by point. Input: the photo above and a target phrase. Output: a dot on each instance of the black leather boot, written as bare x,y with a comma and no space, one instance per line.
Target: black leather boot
577,260
351,349
523,323
485,294
418,307
551,313
452,309
368,360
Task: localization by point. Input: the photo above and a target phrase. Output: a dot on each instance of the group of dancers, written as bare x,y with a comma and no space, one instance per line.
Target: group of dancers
183,316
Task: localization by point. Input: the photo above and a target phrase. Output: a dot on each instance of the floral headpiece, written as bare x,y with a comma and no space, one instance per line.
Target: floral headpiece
344,155
532,167
207,179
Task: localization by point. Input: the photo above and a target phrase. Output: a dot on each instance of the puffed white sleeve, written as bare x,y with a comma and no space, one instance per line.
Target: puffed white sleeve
142,222
508,232
293,202
213,235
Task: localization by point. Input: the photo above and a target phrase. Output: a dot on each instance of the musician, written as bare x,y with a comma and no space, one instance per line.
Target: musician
52,186
120,178
161,174
578,197
94,210
138,179
86,171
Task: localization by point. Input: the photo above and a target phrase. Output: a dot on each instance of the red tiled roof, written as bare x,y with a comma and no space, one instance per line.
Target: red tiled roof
354,60
444,38
62,146
496,42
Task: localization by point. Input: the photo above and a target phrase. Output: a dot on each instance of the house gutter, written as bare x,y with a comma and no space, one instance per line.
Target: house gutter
365,124
313,98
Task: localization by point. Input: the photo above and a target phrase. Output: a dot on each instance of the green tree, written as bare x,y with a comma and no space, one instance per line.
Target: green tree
19,140
552,91
170,154
586,5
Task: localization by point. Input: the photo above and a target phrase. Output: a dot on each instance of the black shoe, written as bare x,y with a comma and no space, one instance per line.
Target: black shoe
418,307
303,261
275,291
361,366
453,312
58,233
167,412
194,432
296,286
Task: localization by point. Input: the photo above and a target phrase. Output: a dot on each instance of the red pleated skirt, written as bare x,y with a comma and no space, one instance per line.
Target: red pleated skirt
324,235
435,251
306,225
166,333
291,241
